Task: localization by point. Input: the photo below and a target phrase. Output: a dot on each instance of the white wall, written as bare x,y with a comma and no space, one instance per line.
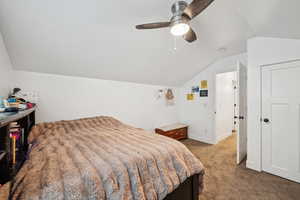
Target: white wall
200,113
5,70
63,97
263,51
225,100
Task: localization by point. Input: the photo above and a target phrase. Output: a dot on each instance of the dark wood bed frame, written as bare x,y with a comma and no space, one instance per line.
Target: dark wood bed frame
188,190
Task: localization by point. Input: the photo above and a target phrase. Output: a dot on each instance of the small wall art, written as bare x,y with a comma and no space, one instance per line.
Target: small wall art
169,97
203,93
195,89
204,84
190,97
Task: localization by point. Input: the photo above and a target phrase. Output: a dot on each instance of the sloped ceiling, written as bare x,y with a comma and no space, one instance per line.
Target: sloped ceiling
97,39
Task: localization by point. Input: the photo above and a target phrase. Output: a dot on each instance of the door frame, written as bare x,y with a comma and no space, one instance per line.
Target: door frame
216,96
260,104
227,68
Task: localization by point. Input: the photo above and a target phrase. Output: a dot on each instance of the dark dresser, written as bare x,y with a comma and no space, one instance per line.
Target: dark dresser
12,157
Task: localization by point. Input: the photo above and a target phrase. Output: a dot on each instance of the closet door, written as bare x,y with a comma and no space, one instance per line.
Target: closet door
281,120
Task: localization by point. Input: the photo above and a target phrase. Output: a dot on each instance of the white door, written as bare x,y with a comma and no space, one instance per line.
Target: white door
241,110
281,120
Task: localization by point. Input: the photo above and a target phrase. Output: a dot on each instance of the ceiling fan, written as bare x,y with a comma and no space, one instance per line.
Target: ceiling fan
182,14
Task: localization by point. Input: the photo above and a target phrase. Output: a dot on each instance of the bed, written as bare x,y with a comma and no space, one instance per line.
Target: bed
102,158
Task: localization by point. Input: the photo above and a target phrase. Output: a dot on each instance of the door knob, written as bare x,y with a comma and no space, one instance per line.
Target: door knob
238,117
266,120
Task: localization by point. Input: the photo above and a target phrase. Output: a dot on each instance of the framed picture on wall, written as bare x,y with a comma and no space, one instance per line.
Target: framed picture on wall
203,93
190,97
195,89
203,84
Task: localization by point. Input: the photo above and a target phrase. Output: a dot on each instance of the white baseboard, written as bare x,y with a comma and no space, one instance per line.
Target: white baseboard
200,139
252,165
222,137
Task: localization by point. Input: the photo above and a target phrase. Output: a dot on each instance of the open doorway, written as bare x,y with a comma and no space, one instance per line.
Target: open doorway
231,90
225,104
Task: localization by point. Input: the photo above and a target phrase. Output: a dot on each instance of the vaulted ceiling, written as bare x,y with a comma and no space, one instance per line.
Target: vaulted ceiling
97,39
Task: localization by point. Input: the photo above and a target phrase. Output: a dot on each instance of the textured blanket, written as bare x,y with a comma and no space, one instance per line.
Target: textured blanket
101,158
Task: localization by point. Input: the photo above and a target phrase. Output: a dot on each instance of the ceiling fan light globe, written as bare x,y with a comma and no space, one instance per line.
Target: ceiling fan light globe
180,29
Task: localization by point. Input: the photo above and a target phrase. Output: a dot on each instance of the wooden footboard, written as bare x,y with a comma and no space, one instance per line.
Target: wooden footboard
188,190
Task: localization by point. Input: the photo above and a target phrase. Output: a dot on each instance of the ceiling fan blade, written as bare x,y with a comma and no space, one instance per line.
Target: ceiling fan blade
153,25
196,7
190,36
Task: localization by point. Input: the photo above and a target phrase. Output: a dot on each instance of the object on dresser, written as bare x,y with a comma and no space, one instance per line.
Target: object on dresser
176,131
14,100
14,92
30,105
16,104
12,103
11,109
2,108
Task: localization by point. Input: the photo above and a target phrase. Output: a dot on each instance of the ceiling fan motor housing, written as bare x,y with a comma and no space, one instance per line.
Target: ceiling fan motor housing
178,11
178,7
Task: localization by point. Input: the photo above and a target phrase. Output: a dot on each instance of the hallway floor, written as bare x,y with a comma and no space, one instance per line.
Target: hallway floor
224,180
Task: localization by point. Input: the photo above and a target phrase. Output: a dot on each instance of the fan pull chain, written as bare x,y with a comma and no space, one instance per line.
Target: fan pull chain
175,43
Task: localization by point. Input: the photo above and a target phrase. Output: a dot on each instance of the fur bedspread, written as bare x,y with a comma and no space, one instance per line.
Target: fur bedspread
101,158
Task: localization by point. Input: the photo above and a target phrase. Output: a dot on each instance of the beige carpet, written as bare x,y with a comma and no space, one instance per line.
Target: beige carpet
225,180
